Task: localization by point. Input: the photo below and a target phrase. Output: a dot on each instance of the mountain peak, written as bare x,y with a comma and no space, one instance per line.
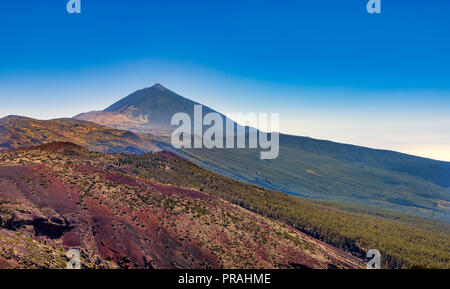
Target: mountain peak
13,116
159,86
152,107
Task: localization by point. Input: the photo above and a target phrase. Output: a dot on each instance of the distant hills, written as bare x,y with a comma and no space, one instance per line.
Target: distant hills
305,167
331,171
17,131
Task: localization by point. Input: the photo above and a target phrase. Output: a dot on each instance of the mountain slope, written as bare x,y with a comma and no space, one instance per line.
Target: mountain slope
404,240
64,196
305,167
148,110
17,131
360,175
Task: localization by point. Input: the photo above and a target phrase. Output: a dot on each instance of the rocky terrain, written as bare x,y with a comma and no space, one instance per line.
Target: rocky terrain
60,196
18,131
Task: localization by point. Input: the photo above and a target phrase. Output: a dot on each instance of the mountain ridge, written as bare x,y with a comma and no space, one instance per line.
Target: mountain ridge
19,131
307,167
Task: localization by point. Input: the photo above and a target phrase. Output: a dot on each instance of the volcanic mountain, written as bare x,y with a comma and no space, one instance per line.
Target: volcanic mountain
148,110
305,167
60,196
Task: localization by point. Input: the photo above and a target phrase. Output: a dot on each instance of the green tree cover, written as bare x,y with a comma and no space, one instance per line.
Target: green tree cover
404,241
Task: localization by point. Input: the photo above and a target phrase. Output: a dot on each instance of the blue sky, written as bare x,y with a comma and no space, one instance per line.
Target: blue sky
329,68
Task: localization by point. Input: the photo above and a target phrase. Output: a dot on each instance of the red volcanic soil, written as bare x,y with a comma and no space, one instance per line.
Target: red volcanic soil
122,221
120,241
117,238
121,179
52,147
169,155
172,190
38,184
169,190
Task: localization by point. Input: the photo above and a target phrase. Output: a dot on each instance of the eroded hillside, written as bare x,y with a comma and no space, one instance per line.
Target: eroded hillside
60,196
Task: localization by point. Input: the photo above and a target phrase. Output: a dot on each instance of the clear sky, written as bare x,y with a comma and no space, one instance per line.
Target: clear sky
329,68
